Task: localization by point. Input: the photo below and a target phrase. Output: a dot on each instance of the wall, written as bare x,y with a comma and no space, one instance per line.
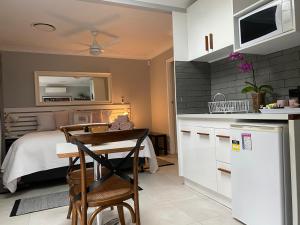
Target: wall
239,5
198,82
159,92
130,78
1,115
280,69
192,87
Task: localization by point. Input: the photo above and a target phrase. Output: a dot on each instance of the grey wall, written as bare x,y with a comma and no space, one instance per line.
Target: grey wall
197,82
281,70
1,117
130,78
193,87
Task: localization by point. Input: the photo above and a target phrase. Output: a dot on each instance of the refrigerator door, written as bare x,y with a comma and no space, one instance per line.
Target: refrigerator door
257,175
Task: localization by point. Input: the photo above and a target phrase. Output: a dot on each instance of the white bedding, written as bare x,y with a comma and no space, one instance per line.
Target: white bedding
36,152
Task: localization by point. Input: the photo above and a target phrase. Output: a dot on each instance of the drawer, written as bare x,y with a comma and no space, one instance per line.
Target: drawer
223,150
224,179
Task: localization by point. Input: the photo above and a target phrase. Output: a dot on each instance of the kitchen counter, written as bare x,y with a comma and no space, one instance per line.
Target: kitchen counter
240,116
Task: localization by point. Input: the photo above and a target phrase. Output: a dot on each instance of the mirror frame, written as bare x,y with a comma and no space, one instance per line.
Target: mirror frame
37,74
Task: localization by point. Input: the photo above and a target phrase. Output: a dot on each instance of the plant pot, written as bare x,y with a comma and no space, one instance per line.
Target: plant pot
258,99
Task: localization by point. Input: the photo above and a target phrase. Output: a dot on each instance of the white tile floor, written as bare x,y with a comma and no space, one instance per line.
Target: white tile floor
164,201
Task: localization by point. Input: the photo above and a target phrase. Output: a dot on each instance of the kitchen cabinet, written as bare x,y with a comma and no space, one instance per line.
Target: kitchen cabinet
204,155
224,179
223,151
212,19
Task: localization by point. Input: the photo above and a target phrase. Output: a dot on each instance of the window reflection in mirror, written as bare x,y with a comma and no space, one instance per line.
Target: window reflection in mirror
73,88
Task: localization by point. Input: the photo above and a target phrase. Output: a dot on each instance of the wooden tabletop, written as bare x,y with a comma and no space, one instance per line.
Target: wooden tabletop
67,150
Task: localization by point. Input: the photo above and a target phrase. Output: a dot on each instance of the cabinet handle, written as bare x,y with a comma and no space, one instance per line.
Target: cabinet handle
186,131
206,44
205,134
211,41
224,170
222,136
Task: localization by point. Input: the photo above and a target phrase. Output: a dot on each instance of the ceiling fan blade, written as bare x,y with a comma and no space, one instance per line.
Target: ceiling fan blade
108,45
108,34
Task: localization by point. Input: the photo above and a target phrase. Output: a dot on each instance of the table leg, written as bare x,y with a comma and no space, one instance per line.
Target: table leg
97,176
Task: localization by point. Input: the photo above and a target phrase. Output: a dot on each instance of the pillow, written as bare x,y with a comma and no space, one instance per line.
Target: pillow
61,119
46,122
82,117
96,117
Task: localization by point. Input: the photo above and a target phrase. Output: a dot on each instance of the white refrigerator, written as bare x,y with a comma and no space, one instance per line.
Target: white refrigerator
261,174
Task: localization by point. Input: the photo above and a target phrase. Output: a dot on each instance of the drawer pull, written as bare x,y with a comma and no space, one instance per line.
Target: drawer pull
204,134
186,131
224,170
222,136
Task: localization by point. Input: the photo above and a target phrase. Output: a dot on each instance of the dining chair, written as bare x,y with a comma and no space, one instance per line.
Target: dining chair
112,189
73,173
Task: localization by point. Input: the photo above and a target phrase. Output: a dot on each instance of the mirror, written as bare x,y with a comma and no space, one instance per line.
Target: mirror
72,88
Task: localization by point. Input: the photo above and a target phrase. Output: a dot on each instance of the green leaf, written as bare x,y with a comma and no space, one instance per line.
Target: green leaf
248,89
265,88
249,83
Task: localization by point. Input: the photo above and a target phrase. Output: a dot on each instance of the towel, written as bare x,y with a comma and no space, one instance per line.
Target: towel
115,126
122,119
126,126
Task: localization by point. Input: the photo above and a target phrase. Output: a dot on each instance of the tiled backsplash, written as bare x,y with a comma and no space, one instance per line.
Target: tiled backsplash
280,69
192,87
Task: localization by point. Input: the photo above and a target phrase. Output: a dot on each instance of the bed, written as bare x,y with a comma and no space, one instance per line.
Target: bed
36,151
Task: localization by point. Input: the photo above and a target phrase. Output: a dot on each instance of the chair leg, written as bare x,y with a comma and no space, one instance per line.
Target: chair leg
70,210
74,215
137,211
121,215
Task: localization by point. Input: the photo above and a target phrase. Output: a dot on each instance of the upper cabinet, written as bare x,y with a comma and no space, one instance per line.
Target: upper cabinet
210,29
204,32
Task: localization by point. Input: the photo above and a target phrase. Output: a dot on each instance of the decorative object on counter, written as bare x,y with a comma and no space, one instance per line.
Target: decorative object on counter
294,95
225,106
258,91
294,103
281,103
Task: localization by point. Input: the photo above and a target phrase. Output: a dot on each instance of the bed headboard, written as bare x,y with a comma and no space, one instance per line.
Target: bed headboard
20,121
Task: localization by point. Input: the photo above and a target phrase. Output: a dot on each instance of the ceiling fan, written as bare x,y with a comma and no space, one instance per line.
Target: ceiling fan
95,48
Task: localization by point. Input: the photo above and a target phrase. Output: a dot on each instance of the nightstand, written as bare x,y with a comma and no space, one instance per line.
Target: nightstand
8,143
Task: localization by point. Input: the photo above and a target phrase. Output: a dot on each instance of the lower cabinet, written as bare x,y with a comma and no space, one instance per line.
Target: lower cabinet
224,179
205,157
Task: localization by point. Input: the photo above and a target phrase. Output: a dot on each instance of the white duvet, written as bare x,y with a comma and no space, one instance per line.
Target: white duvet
36,152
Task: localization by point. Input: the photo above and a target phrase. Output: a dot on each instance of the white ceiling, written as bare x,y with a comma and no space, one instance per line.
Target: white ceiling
143,33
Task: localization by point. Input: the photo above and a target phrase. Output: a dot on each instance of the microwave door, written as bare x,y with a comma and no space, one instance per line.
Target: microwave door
261,24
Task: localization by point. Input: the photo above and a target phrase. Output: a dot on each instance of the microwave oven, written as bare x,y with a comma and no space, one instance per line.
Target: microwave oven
265,22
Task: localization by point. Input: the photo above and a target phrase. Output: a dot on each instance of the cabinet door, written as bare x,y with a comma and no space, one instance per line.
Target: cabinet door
224,179
204,148
205,17
186,151
223,150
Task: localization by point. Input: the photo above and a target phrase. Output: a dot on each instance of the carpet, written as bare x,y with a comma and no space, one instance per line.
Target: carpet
162,162
39,203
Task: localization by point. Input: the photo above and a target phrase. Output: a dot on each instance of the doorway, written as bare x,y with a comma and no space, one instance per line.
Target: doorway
170,69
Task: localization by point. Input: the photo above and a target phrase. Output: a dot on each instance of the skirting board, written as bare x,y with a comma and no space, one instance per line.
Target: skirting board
209,193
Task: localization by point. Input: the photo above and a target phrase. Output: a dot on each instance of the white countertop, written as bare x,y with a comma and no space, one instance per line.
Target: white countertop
236,116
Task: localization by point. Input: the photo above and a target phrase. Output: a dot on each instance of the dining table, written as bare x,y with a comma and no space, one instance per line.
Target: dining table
69,150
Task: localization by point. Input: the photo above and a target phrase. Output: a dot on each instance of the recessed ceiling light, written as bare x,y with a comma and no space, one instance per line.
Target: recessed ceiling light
43,27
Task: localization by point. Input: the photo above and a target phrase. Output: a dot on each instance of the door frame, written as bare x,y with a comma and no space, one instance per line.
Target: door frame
171,107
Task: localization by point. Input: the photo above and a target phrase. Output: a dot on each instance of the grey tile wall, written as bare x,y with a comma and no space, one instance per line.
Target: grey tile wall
280,69
196,82
192,87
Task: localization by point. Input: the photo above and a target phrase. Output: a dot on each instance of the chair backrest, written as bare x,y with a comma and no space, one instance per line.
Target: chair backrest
78,127
96,139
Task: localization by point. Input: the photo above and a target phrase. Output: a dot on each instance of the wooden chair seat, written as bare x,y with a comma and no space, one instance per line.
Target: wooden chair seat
113,190
73,177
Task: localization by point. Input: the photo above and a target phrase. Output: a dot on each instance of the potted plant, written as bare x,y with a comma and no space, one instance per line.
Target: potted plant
258,92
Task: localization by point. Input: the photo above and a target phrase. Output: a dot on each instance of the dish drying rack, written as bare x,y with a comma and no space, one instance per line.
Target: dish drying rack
228,106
